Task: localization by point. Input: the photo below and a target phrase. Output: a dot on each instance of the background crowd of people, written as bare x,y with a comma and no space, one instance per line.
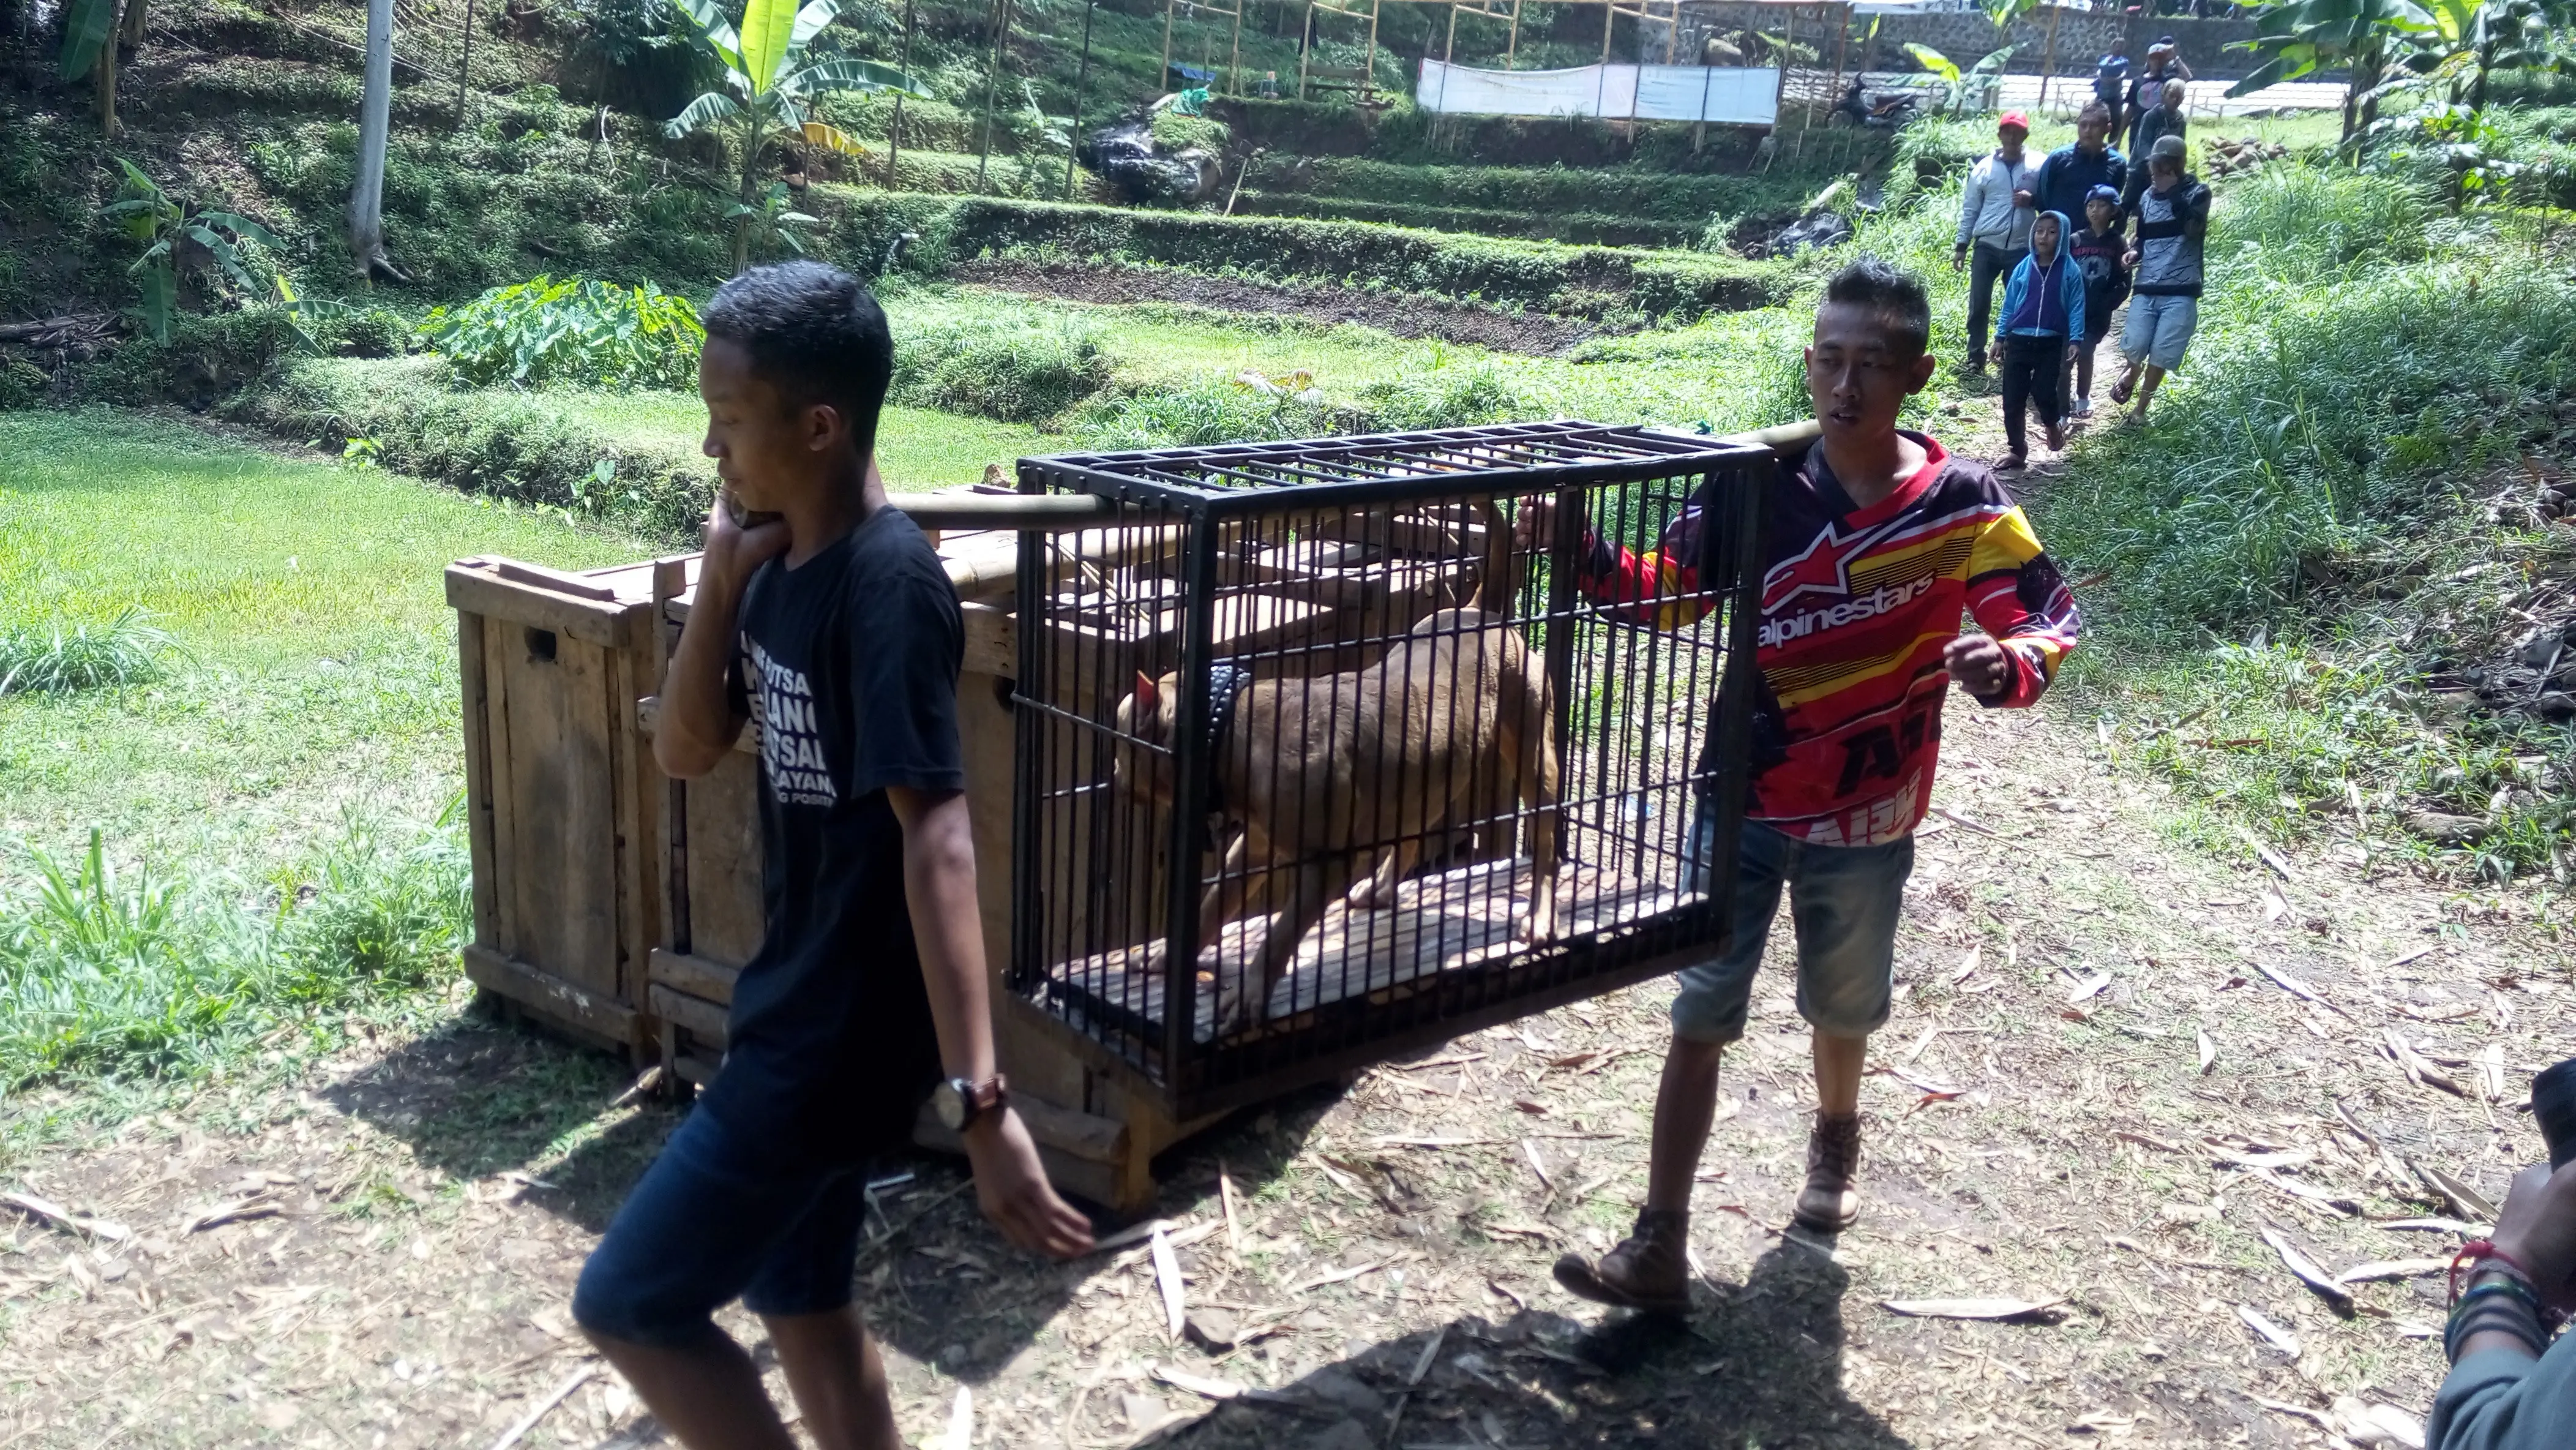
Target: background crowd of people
2075,235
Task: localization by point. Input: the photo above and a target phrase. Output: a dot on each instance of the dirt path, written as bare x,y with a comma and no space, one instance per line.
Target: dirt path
403,1235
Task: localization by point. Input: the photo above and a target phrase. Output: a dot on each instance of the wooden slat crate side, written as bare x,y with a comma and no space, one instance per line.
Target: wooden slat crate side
556,820
724,860
471,632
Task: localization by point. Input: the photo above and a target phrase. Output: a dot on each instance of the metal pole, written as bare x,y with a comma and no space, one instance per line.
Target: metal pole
1234,55
894,132
1081,75
1163,77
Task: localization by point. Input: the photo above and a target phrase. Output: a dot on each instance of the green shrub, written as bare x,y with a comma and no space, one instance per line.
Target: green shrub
372,332
1542,276
1445,397
208,358
1209,413
1175,132
107,973
22,383
580,332
527,446
56,657
1014,370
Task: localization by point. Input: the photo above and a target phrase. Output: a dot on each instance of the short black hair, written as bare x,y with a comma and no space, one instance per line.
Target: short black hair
2096,108
1895,294
814,334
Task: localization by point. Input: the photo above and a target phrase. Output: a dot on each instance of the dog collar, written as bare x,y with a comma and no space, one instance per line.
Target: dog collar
1225,685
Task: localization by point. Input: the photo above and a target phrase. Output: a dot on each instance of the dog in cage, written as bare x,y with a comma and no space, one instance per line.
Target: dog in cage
1333,787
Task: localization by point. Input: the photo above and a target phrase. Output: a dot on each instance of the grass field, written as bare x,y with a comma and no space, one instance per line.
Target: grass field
917,448
315,665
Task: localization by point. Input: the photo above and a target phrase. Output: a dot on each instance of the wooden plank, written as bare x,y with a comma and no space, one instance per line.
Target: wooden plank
695,975
470,632
1456,920
558,862
549,996
637,800
648,715
696,1016
724,861
480,591
1094,1139
992,640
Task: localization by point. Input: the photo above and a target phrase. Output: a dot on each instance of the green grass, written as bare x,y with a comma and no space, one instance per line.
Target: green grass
2326,511
917,449
315,651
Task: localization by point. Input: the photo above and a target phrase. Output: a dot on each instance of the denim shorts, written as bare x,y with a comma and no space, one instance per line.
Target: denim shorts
2158,329
717,1217
1843,902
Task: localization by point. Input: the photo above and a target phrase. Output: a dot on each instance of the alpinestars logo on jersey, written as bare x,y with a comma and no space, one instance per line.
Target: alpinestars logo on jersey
1825,568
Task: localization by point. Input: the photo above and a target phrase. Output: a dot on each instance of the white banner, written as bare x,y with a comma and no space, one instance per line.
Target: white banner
1727,95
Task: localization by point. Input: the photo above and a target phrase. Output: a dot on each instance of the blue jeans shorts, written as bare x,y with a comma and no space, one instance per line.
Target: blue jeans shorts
717,1217
1843,901
2158,329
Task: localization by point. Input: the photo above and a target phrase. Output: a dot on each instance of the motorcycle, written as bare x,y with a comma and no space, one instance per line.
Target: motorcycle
1885,111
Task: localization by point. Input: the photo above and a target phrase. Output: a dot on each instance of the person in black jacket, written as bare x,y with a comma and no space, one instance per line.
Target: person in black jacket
2070,173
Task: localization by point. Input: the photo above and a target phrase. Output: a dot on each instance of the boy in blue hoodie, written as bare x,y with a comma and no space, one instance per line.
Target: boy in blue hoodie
2043,330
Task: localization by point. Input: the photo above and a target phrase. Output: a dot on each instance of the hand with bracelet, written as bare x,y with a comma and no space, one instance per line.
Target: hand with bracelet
2508,1387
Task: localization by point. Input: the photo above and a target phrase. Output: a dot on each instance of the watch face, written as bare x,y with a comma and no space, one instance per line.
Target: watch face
950,1104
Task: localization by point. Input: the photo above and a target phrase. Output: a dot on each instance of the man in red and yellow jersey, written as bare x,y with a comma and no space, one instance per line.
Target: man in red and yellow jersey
1877,540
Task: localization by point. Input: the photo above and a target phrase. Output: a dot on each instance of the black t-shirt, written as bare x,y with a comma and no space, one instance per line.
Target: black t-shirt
853,658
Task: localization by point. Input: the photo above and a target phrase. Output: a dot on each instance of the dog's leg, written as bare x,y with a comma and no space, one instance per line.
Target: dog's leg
1312,885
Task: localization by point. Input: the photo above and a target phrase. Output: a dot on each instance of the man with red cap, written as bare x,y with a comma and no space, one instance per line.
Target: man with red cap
1995,213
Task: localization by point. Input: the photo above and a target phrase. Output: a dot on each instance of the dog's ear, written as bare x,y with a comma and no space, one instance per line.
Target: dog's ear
1145,694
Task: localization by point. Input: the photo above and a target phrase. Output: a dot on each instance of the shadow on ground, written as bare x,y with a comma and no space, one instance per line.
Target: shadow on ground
476,1098
1759,1364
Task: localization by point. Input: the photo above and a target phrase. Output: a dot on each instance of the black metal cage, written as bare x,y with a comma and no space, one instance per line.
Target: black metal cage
1327,748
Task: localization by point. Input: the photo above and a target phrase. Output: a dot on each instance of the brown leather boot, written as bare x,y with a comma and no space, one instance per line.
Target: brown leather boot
1649,1270
1829,1203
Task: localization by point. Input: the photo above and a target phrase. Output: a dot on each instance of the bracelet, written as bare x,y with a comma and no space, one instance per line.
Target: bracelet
2494,1317
2495,1287
2482,1255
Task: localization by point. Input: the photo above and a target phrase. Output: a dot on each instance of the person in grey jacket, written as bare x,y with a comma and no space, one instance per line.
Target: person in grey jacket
2510,1388
1995,212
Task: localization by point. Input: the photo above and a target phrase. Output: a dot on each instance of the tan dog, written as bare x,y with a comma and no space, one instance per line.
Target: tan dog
1336,778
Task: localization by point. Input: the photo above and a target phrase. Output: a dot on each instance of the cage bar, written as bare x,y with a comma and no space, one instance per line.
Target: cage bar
1322,756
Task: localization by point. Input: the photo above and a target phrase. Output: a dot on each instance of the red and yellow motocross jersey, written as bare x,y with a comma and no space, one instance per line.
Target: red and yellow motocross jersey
1857,605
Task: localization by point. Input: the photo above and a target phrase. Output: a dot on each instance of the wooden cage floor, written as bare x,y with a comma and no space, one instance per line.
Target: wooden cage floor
1449,921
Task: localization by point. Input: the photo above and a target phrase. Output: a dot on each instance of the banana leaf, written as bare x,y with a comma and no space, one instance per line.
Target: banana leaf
85,29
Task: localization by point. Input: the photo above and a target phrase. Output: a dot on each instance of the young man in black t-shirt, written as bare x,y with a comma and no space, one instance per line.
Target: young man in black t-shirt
836,619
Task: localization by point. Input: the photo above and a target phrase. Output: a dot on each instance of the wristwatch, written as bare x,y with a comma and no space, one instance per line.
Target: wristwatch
959,1102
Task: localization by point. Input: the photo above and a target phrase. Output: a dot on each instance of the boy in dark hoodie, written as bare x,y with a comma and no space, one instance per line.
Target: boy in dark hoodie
2101,250
2043,329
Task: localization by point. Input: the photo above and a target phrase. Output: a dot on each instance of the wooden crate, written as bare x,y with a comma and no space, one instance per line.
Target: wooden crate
563,800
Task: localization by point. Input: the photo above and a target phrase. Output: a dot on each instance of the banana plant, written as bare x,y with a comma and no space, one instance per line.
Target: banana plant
2297,38
1962,86
771,84
150,215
